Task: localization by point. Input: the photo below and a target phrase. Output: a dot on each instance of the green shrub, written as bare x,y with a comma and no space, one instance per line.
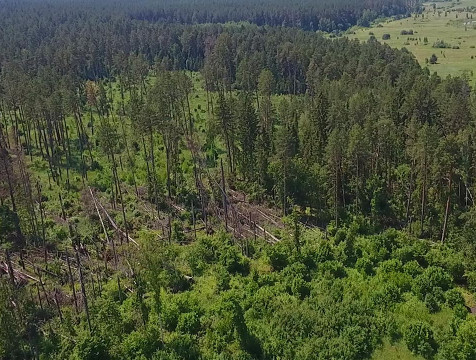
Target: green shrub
460,311
177,235
278,258
165,355
448,260
440,44
412,268
389,295
91,347
140,344
389,266
420,340
340,236
404,254
324,252
466,340
431,303
392,330
364,265
300,288
230,259
333,268
189,323
432,277
454,297
222,277
184,346
471,279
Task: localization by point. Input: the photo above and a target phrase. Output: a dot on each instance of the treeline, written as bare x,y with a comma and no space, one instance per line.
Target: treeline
328,15
83,38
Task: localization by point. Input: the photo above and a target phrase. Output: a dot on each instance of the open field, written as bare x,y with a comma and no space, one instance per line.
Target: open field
454,23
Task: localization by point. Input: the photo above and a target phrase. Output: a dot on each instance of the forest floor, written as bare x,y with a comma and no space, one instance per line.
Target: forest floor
397,351
451,22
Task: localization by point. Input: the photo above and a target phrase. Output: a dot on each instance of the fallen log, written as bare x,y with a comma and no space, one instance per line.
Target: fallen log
113,223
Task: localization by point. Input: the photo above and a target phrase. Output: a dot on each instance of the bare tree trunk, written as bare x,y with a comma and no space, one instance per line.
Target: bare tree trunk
71,279
423,205
120,198
83,289
5,158
42,218
194,222
58,305
409,196
447,211
167,157
225,207
10,267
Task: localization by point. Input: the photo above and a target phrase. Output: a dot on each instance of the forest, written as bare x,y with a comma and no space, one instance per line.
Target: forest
224,180
324,15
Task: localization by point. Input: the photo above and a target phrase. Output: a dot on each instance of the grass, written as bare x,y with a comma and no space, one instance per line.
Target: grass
469,298
434,26
397,351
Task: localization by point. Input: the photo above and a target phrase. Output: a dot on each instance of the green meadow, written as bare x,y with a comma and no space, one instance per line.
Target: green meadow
451,23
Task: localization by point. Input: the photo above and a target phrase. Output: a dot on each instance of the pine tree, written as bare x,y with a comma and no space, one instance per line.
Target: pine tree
335,162
247,133
224,117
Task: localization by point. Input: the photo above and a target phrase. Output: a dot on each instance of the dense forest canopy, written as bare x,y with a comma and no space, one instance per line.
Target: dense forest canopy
324,15
212,180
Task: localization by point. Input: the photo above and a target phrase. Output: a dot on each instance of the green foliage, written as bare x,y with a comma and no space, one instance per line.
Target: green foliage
454,297
364,265
471,278
90,347
465,340
278,257
223,278
189,323
140,344
431,303
177,232
10,233
420,340
430,280
183,346
10,329
461,312
413,268
441,44
290,304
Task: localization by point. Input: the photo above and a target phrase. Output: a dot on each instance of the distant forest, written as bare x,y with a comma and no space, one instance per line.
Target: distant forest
48,19
82,38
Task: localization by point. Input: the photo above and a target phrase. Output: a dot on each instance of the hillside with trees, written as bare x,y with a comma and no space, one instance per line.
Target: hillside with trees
191,182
